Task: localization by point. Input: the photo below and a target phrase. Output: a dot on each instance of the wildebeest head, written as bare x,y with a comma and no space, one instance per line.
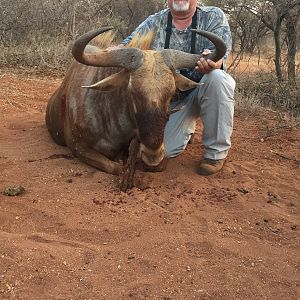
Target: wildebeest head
151,81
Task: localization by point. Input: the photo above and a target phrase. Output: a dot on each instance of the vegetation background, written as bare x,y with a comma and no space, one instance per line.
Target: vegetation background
38,34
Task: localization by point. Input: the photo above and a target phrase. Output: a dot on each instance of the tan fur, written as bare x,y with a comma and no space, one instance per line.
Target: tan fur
105,39
154,70
98,127
143,42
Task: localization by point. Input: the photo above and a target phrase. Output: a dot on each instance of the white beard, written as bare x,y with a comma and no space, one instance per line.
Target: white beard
181,6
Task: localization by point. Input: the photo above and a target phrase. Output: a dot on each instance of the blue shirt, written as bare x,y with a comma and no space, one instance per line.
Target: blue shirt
209,18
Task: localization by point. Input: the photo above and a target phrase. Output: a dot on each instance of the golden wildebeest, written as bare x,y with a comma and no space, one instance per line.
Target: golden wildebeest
130,98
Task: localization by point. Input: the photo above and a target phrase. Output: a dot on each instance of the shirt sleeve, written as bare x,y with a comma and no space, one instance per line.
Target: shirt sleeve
218,24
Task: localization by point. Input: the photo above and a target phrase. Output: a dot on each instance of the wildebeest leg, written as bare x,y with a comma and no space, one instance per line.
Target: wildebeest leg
97,160
55,117
126,177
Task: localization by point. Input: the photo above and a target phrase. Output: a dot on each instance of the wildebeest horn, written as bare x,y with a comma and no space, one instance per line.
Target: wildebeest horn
128,58
179,59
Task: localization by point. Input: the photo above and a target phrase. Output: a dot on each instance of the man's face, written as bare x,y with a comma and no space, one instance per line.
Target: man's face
180,5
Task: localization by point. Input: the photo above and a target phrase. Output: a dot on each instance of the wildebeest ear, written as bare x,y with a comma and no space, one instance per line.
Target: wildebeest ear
183,83
112,82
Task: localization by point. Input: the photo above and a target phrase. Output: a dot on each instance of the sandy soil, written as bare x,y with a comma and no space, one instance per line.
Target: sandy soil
177,235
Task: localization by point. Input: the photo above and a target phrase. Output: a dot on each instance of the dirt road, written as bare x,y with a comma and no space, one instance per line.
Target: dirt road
177,235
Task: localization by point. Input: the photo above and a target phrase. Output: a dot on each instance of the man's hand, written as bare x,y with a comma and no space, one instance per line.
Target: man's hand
205,66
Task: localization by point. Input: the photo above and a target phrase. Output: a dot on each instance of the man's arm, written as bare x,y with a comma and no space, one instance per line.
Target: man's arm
205,66
216,23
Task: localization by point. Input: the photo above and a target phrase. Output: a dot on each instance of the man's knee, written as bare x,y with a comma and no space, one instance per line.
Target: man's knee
215,75
218,86
218,78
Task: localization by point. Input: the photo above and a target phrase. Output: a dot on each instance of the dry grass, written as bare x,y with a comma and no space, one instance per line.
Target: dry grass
251,64
257,86
54,54
262,89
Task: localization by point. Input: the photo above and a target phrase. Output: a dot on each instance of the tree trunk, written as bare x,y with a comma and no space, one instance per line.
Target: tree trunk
291,24
278,47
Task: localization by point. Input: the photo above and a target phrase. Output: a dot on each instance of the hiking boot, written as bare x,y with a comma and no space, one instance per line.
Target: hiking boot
210,166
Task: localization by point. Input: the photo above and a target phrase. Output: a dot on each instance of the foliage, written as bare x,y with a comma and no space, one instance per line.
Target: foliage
251,20
262,89
41,32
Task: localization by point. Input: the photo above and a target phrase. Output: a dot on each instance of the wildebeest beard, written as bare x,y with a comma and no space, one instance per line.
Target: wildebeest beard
151,124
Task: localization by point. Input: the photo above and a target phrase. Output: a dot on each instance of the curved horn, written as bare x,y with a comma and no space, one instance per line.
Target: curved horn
178,59
128,58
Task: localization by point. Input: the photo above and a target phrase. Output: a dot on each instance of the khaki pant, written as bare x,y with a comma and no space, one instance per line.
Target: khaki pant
213,101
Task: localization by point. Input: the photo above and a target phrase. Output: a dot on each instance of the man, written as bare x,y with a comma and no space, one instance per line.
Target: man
213,100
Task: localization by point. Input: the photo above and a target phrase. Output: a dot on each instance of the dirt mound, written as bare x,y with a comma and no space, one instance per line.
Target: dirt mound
74,235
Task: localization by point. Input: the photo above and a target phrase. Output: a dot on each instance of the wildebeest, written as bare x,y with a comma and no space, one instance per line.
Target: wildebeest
110,97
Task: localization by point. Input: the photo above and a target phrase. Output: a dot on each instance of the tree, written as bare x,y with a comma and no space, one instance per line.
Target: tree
274,14
247,31
278,16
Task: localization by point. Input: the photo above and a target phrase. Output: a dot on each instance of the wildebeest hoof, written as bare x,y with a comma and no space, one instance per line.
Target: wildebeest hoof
159,168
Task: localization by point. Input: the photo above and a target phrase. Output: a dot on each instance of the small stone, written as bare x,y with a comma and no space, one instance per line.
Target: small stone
272,195
14,190
275,230
243,190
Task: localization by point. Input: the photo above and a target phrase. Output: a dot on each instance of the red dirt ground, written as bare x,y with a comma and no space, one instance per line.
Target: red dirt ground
74,235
